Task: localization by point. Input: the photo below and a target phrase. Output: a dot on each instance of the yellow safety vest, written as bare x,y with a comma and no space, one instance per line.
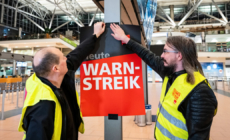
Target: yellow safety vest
36,91
171,124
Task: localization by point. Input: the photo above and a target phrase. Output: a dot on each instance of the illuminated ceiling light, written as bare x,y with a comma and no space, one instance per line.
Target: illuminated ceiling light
26,46
16,46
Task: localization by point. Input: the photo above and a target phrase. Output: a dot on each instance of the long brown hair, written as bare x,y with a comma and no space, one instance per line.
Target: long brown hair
187,47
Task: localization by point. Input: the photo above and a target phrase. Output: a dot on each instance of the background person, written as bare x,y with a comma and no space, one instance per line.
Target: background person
51,108
187,103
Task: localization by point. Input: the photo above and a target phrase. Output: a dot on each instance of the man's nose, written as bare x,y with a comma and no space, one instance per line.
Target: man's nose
162,55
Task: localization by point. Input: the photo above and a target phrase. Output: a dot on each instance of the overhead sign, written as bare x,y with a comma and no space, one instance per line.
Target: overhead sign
111,77
21,64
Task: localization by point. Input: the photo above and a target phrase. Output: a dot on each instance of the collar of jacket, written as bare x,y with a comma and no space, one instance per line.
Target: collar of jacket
173,76
48,83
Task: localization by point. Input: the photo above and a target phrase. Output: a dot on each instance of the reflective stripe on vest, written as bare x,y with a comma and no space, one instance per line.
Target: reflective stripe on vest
166,132
178,123
171,124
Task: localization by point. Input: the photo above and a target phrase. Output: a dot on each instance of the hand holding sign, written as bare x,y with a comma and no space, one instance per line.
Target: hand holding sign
118,33
99,28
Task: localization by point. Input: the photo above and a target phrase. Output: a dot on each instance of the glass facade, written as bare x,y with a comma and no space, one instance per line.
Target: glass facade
28,27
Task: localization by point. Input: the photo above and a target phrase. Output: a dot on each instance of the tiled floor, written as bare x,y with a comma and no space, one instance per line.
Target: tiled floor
95,125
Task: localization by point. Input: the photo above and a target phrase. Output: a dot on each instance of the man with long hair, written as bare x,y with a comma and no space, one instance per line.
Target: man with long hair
187,103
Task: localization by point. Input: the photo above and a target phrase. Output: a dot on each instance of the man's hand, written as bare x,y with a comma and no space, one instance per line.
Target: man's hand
99,28
118,33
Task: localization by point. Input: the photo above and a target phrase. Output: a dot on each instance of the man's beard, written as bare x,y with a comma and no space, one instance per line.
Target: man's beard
169,70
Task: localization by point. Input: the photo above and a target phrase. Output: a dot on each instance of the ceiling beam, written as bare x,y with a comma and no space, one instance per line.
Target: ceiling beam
20,11
172,22
91,22
190,12
52,18
33,22
220,11
165,20
68,14
61,26
212,17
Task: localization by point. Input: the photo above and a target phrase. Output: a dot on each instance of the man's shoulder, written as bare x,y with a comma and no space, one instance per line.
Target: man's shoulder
202,90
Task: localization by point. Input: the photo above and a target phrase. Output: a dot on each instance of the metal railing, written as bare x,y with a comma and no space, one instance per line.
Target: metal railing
219,82
11,89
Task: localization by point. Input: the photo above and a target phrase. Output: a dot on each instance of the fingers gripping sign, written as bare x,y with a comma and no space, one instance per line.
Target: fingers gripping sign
118,33
99,28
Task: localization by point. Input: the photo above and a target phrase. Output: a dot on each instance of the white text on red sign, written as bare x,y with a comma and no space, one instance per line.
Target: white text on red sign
118,76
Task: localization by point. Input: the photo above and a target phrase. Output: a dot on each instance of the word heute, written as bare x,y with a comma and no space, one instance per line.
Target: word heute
113,76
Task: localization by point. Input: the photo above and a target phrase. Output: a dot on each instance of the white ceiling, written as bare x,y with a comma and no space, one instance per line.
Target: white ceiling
87,5
184,2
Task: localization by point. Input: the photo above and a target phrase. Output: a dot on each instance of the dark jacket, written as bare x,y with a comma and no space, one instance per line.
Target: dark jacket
199,106
39,119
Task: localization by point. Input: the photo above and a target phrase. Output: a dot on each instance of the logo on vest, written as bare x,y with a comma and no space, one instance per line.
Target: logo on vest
176,95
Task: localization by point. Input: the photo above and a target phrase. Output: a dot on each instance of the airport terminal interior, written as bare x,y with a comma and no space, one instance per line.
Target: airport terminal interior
27,26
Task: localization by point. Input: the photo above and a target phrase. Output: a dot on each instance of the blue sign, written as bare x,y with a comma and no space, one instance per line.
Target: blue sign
212,69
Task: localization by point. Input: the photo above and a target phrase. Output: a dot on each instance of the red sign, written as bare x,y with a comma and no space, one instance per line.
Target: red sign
112,86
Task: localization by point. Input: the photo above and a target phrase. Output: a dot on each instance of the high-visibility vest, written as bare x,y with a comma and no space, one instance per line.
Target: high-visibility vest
171,124
37,91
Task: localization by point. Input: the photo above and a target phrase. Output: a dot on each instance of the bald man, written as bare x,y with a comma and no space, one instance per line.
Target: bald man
51,109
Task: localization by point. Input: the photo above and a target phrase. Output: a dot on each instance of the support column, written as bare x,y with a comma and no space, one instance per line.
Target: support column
32,51
14,67
171,11
2,12
154,76
20,32
145,81
69,33
226,11
15,15
113,126
19,71
227,28
211,9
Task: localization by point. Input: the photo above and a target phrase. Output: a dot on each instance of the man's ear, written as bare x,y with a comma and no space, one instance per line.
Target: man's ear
180,57
55,68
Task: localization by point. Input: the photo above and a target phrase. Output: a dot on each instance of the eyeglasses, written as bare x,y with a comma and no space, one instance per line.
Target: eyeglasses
167,51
